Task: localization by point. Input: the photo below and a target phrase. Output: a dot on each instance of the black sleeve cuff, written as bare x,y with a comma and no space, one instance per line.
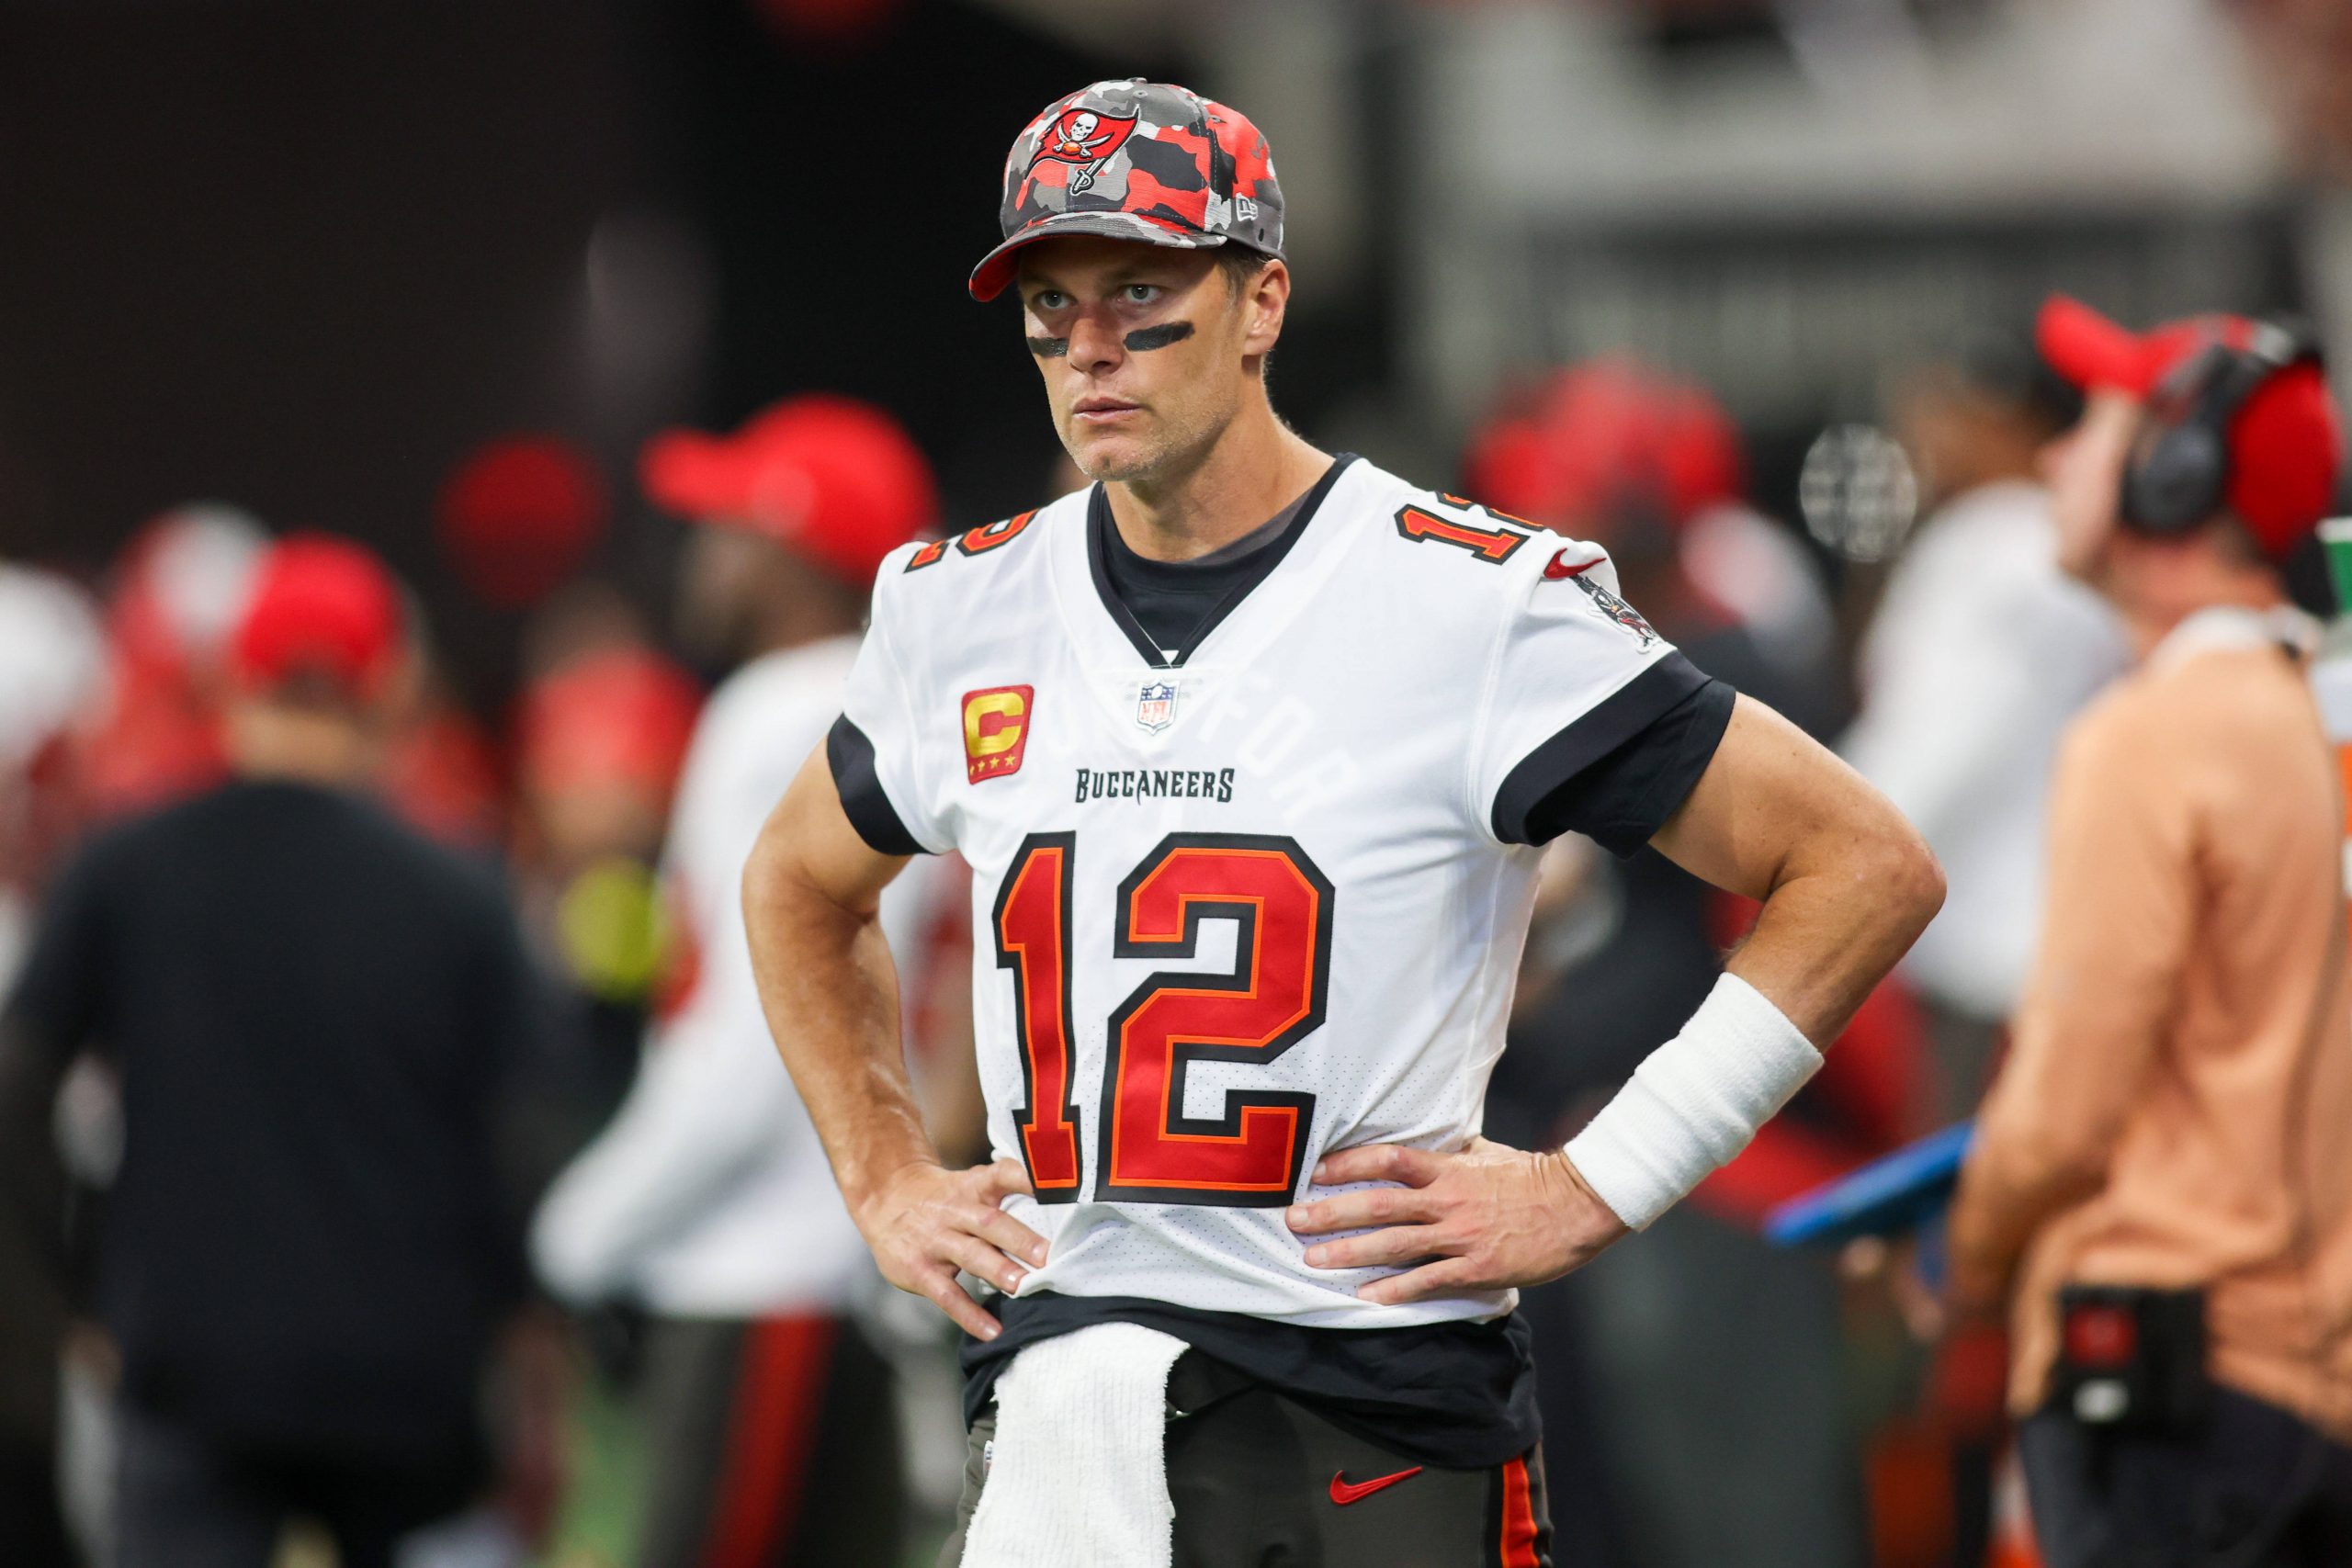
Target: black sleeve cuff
1617,773
851,756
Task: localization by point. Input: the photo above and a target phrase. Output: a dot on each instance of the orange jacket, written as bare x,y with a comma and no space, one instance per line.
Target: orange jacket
2176,1105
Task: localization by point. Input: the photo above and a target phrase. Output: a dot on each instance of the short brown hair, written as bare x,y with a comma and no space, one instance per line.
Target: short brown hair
1241,265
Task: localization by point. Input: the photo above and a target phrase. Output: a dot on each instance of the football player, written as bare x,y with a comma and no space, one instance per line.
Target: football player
1252,750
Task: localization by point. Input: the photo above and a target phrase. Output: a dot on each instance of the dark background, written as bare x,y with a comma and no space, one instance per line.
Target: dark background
306,258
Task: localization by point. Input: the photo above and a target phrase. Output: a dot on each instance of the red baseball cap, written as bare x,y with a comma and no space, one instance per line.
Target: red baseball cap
2286,442
622,714
320,607
1593,438
836,480
1136,160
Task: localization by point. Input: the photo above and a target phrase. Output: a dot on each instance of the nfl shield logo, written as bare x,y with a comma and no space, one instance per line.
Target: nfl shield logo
1156,709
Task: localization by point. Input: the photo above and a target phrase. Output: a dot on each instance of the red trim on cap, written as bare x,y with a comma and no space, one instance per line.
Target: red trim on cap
2098,354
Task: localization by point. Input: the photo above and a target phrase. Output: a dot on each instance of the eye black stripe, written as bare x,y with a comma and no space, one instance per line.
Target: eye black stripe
1146,338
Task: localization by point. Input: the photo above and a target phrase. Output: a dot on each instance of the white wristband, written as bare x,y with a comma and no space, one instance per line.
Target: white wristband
1694,1103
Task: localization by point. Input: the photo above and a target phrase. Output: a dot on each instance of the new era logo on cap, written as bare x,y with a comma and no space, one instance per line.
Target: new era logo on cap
1136,160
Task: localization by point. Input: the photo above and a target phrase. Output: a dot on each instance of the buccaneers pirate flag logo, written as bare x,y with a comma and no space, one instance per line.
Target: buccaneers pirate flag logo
1605,603
1085,138
1615,609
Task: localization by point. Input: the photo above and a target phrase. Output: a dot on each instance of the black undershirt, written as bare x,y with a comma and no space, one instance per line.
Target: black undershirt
1170,599
1191,599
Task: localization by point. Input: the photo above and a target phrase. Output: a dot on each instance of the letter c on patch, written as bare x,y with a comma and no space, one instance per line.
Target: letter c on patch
996,731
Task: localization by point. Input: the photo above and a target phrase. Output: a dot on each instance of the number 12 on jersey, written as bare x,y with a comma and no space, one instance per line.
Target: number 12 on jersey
1150,1151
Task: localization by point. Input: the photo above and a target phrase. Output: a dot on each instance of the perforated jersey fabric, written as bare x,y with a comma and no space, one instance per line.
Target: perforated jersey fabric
1243,902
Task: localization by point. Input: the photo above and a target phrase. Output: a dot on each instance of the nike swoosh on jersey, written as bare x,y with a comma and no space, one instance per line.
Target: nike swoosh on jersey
1557,568
1344,1491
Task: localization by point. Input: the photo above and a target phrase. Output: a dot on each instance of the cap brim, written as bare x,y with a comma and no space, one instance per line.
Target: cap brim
2090,351
996,269
690,474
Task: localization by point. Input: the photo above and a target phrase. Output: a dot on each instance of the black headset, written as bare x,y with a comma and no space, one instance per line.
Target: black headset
2178,475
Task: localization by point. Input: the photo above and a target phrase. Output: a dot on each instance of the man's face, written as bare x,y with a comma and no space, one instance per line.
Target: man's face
1143,350
2084,469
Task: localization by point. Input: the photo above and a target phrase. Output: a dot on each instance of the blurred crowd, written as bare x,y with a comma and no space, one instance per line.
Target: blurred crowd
611,808
703,1364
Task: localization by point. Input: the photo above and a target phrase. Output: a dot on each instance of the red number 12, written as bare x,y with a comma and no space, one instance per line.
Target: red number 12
1152,1152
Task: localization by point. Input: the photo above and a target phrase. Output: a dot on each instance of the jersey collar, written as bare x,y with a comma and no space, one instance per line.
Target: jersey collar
1099,523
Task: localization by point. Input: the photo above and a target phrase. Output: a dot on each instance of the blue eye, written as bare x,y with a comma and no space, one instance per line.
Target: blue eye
1141,293
1049,299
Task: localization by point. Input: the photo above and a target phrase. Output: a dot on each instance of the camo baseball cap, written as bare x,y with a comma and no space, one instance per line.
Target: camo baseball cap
1136,160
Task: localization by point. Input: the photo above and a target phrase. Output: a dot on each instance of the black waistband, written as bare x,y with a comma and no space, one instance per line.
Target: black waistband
1460,1395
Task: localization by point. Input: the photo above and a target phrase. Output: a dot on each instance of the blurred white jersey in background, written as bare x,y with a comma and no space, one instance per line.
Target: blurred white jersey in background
1980,653
710,1195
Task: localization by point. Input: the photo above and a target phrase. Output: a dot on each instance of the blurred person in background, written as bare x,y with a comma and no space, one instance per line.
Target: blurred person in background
2160,1187
177,585
770,1414
1980,652
599,741
52,668
1654,1361
1651,467
439,771
52,664
304,1258
597,737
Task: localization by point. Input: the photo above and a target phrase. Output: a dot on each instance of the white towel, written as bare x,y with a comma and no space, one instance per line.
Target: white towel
1079,1476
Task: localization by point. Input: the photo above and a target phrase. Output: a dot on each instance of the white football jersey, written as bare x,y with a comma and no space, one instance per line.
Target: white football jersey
1240,904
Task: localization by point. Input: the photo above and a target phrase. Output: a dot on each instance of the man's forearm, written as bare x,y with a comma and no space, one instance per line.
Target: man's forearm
830,995
1987,1232
1827,935
1846,885
2044,1137
701,1112
1821,943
